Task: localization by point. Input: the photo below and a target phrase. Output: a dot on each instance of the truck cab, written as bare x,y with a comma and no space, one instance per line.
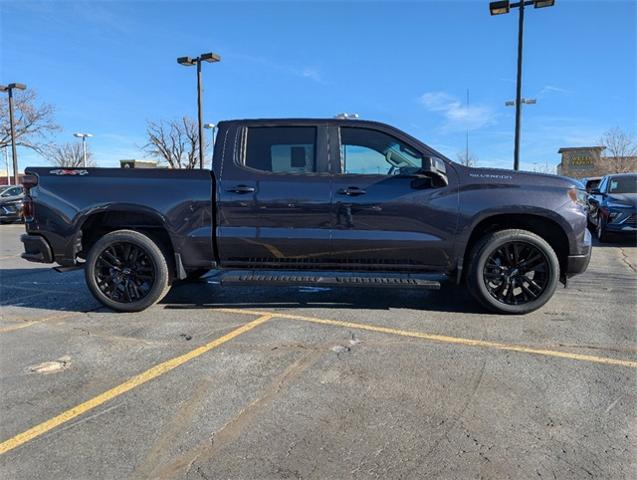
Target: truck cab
334,195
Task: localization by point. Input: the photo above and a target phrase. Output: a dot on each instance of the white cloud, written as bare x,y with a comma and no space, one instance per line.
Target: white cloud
458,116
311,73
547,89
308,72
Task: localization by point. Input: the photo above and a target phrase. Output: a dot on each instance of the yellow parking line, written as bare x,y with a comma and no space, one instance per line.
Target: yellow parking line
445,339
28,323
122,388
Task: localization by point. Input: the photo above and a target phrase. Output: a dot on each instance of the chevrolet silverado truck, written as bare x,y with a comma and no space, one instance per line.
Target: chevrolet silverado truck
311,202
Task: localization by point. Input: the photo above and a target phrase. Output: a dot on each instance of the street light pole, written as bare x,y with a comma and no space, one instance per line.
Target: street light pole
188,62
518,91
499,8
200,113
83,136
6,164
9,88
14,152
212,127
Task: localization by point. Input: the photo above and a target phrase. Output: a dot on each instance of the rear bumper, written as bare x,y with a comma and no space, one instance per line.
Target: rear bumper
36,249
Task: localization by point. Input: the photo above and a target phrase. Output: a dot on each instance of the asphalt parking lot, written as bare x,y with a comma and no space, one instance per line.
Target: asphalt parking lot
242,383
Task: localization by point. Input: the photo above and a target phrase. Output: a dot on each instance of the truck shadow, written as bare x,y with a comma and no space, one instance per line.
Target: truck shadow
44,289
449,299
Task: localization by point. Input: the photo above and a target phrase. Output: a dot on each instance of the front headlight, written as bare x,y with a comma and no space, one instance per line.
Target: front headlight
578,196
617,212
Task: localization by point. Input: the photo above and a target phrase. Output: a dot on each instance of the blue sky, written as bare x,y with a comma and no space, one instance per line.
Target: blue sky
108,67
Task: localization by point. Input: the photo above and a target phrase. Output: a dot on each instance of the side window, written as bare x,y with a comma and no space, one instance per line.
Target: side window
281,149
12,192
370,152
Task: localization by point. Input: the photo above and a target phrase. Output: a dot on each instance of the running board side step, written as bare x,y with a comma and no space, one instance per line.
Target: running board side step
329,281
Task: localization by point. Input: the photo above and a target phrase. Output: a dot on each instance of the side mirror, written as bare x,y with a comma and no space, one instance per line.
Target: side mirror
594,191
435,167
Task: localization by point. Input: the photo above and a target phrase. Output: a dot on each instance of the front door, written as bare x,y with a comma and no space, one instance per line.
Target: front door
274,207
386,216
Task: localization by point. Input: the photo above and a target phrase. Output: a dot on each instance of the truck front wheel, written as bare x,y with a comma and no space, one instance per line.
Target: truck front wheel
127,271
512,271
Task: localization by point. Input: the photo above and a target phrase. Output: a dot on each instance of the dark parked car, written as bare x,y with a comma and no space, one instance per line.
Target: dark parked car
329,202
591,183
11,204
613,206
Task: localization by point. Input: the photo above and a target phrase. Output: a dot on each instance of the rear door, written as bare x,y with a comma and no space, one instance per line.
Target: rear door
384,216
274,207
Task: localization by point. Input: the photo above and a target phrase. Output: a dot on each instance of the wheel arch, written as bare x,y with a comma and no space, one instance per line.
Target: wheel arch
547,228
98,222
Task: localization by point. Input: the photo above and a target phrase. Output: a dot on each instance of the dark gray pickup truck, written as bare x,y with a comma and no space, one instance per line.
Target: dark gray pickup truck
311,202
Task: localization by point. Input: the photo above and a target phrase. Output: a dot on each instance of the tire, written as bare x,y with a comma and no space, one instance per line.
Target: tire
512,271
127,271
600,230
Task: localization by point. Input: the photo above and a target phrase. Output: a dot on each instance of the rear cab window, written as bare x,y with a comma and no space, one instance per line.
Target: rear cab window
281,149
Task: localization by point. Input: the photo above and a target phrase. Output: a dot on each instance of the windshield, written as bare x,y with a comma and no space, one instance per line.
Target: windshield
626,184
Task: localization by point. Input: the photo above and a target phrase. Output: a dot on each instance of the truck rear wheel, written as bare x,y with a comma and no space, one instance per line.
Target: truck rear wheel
512,271
127,271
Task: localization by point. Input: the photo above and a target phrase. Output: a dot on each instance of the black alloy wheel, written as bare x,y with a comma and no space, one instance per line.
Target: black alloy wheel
512,271
516,273
124,272
128,271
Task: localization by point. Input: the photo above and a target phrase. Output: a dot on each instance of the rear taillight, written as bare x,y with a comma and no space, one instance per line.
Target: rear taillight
27,207
29,181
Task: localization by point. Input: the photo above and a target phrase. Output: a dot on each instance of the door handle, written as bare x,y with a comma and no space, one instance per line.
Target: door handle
241,189
352,191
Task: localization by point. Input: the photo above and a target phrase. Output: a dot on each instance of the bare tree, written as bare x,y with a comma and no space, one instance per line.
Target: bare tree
621,150
33,121
175,142
69,155
467,159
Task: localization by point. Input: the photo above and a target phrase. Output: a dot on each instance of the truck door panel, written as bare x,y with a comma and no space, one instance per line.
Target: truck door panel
274,205
383,217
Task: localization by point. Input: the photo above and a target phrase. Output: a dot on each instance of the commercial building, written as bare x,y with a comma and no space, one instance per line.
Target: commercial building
580,162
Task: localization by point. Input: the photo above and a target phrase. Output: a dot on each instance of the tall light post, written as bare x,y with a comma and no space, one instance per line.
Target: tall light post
212,127
83,136
6,163
9,88
502,7
189,62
